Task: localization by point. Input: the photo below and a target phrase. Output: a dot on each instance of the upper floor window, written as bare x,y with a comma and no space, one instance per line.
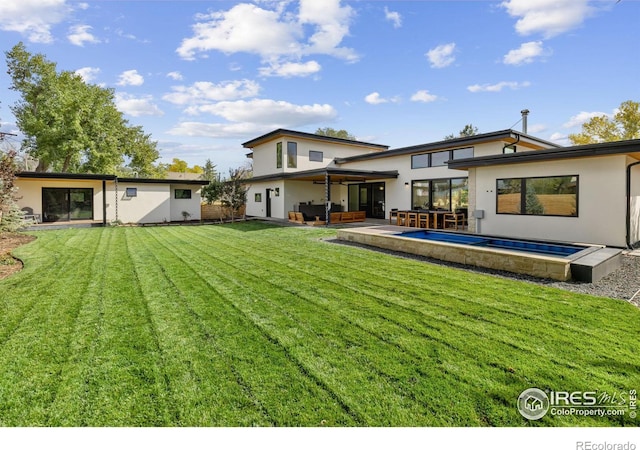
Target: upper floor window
292,155
315,155
538,196
279,155
438,159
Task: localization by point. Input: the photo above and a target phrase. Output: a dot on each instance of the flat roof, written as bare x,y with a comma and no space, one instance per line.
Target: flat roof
336,174
106,177
509,135
317,137
630,148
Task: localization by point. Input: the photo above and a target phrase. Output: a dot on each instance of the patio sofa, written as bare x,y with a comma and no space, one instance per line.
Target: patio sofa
310,212
348,217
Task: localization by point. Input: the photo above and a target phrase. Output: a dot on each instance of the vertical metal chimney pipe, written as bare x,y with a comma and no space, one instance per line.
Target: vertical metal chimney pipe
525,113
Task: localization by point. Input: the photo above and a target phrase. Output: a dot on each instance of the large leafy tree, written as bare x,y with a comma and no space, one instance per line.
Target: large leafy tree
72,126
625,124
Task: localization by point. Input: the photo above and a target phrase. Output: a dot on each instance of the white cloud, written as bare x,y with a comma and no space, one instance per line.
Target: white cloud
276,35
559,138
175,76
513,85
137,106
424,96
80,34
442,55
204,92
525,54
547,17
393,17
33,18
88,74
130,78
291,69
536,128
270,112
374,99
583,117
248,118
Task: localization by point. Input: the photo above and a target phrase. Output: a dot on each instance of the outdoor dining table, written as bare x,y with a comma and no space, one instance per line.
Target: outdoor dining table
437,215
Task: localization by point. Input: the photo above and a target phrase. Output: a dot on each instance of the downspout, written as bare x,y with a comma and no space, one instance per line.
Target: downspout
509,145
104,202
628,221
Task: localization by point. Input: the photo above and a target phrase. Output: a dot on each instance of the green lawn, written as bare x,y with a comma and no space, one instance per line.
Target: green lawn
260,325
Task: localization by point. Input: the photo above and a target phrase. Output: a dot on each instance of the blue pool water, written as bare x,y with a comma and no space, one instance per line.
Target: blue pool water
543,248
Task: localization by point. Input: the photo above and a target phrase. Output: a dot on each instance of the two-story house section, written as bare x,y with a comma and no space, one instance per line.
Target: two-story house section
295,171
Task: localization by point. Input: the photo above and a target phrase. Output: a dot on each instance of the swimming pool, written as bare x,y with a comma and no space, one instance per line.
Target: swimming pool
541,248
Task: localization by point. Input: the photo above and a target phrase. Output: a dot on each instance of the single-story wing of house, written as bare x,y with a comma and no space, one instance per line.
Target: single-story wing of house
103,199
505,182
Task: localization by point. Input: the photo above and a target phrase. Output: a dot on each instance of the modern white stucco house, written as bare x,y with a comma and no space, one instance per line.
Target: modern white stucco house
515,184
56,197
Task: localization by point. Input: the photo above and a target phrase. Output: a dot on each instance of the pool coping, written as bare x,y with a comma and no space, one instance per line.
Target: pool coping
543,266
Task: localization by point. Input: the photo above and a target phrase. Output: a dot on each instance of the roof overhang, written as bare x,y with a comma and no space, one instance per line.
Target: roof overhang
105,177
282,133
507,136
336,174
630,148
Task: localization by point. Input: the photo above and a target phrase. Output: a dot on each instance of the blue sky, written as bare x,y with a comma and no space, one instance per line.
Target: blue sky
204,76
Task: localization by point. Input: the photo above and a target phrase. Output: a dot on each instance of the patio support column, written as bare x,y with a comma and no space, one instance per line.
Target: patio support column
104,202
327,196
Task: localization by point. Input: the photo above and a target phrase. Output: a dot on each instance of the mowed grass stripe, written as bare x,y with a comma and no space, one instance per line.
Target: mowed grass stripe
270,381
378,358
36,348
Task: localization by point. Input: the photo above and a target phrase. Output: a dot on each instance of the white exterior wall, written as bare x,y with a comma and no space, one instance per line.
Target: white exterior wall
30,192
601,202
264,155
191,205
151,205
635,203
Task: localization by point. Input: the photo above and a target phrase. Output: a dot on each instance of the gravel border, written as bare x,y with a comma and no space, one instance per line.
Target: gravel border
622,284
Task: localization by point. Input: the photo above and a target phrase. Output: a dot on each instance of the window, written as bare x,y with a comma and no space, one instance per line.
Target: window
131,192
461,153
257,197
279,155
538,196
182,193
438,159
292,155
315,155
446,193
420,161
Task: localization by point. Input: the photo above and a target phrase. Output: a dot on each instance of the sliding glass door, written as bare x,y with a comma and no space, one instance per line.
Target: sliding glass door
64,204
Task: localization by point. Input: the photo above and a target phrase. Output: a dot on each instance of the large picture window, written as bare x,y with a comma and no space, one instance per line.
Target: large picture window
538,196
447,194
292,155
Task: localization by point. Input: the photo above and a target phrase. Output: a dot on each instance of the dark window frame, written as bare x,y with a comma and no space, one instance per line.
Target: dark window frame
279,155
316,154
430,182
429,157
131,192
292,155
257,197
523,196
175,194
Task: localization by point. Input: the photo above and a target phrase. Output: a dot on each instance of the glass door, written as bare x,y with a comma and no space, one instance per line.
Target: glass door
64,204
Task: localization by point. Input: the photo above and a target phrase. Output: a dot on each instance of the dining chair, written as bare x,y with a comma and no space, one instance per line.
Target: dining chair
423,220
401,218
412,219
